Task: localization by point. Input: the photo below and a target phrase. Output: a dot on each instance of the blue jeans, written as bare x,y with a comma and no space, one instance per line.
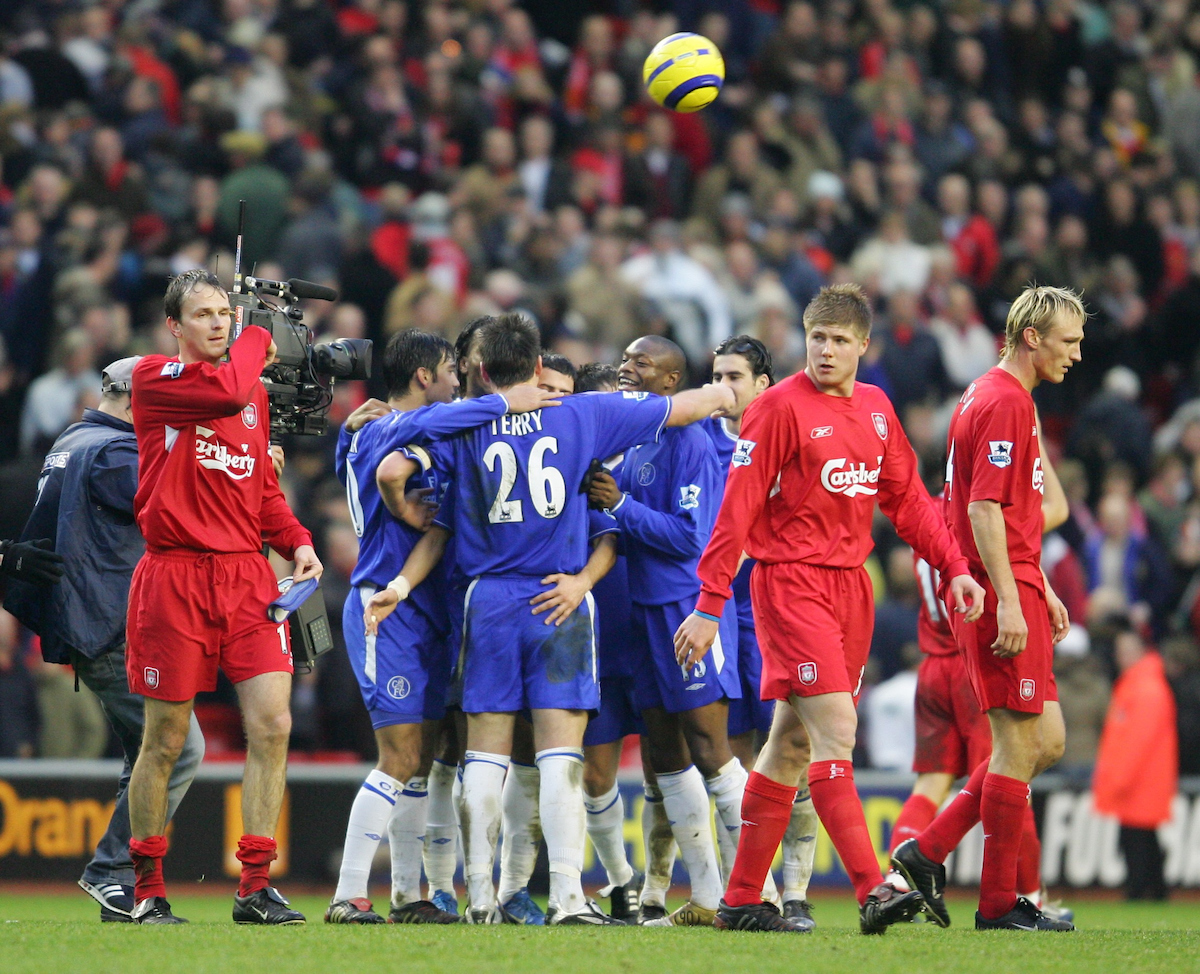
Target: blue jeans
105,677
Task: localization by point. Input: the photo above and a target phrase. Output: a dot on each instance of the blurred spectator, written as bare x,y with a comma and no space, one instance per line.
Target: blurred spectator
968,348
968,234
55,400
912,357
658,179
19,717
1137,767
1119,561
891,260
896,617
889,712
684,290
1181,658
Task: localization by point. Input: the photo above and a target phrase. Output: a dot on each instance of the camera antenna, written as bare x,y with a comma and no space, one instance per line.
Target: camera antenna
237,254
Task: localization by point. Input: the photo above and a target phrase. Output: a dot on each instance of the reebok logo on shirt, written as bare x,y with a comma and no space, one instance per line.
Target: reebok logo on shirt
852,480
216,456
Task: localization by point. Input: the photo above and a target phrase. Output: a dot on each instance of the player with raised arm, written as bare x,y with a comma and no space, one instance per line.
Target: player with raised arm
994,493
816,452
665,502
516,523
403,670
744,364
207,497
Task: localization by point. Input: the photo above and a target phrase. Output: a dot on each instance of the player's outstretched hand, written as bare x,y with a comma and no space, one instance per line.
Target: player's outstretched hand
277,459
1011,630
525,399
694,638
604,494
381,605
272,350
418,509
308,565
1060,619
967,595
369,410
562,599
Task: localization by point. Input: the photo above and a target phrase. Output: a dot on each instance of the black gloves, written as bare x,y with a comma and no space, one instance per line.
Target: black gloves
31,561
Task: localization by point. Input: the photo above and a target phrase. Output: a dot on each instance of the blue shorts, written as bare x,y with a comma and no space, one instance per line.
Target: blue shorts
664,683
512,660
618,717
404,671
751,712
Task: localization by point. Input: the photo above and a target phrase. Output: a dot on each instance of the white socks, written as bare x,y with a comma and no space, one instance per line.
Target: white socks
660,846
482,785
441,829
606,829
405,836
799,847
369,815
564,825
686,802
522,828
726,787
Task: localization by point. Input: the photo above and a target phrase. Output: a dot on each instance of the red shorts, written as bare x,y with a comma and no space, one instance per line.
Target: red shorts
191,612
953,734
1024,682
814,628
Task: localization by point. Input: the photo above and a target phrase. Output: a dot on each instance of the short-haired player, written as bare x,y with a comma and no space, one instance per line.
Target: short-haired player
816,453
995,482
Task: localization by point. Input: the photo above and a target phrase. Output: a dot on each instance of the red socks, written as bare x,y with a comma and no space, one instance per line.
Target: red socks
947,830
766,811
1002,810
836,801
256,853
1029,860
147,855
914,819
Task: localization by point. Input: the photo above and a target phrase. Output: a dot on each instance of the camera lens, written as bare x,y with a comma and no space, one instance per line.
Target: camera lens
346,358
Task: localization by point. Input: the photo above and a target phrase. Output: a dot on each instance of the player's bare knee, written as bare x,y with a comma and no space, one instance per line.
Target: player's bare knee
269,730
595,780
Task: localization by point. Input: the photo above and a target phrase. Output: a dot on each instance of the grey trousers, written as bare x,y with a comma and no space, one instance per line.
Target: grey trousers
105,677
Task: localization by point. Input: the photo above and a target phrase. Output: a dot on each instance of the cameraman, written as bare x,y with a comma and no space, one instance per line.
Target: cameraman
85,508
206,499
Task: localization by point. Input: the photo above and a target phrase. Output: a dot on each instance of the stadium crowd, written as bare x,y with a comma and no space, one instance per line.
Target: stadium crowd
435,161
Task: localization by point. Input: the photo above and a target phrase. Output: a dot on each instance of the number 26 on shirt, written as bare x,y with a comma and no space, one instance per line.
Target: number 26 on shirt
547,489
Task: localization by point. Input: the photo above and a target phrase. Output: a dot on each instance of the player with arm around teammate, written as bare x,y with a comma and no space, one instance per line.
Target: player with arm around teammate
516,522
995,483
403,669
815,454
207,497
665,502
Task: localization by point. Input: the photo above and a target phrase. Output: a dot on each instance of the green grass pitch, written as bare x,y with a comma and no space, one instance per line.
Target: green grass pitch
60,932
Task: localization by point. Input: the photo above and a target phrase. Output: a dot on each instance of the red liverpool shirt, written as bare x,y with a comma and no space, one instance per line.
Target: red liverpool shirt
205,478
993,455
803,483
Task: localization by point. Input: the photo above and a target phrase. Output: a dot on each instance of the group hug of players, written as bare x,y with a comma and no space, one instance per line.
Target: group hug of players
547,561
